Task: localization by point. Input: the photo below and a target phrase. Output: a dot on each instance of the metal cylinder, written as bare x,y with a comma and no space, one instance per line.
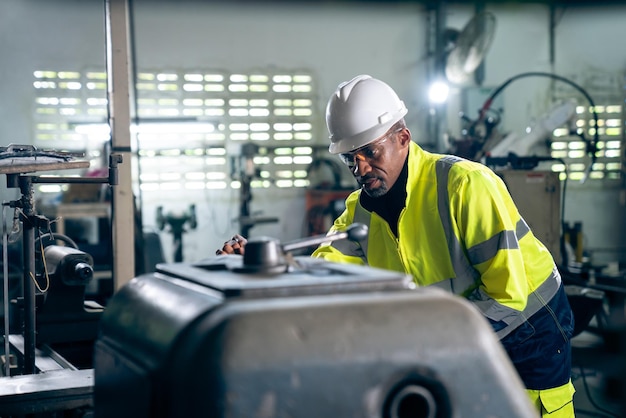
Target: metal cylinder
413,401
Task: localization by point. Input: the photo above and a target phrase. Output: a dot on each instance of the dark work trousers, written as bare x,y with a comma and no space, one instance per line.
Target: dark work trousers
540,348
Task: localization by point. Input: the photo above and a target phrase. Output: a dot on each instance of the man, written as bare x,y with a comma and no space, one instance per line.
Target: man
450,223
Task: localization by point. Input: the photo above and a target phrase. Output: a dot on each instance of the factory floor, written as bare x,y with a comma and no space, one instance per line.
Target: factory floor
597,378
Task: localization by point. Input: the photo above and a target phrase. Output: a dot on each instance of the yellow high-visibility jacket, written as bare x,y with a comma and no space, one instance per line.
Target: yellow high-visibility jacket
459,230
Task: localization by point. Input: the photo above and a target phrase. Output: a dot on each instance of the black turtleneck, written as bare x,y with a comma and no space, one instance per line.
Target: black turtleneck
389,205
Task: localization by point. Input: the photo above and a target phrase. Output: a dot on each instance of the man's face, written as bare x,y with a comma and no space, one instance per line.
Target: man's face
377,165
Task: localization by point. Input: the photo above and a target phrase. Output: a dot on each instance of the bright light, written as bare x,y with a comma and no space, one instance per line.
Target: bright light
438,92
174,127
93,129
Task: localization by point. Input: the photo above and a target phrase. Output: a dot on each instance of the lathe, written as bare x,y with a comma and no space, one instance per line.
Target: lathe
269,334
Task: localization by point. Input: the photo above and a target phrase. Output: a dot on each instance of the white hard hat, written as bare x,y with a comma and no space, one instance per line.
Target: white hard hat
360,111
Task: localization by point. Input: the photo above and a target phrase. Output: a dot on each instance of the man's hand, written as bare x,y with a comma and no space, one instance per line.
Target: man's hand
234,246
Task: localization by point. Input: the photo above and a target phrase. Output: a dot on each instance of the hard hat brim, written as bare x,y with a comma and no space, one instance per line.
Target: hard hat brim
343,145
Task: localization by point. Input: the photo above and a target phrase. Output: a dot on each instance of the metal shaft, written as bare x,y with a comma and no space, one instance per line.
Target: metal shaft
354,232
28,249
5,265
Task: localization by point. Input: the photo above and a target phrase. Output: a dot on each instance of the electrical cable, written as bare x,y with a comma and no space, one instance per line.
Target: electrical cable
591,145
61,237
52,236
34,279
591,400
57,236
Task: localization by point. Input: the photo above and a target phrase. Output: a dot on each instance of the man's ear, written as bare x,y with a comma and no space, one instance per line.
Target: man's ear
404,137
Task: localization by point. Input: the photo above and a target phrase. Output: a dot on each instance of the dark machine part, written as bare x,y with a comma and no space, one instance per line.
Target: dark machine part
66,324
17,161
480,134
274,335
177,222
266,255
72,267
516,162
63,316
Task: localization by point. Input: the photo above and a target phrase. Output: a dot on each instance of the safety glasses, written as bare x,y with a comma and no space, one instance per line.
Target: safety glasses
367,153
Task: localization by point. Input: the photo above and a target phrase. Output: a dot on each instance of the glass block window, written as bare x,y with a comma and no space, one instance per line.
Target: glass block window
573,150
604,89
210,115
190,126
67,101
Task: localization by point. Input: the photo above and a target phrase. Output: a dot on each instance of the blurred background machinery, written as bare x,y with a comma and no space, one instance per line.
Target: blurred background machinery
49,327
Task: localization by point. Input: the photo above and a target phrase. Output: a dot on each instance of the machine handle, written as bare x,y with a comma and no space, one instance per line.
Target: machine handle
354,232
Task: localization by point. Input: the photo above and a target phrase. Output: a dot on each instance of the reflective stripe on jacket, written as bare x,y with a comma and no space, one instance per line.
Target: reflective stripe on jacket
459,230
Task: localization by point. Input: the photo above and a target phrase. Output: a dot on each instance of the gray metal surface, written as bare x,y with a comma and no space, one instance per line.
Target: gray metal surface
53,391
226,275
176,345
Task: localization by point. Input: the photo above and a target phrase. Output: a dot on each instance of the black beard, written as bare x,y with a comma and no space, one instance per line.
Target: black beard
379,192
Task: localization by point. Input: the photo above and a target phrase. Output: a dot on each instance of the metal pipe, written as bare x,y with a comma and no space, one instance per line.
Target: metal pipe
5,265
28,250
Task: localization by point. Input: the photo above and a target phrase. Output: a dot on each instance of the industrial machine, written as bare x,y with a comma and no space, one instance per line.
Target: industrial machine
480,139
512,157
270,334
244,169
176,221
47,353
